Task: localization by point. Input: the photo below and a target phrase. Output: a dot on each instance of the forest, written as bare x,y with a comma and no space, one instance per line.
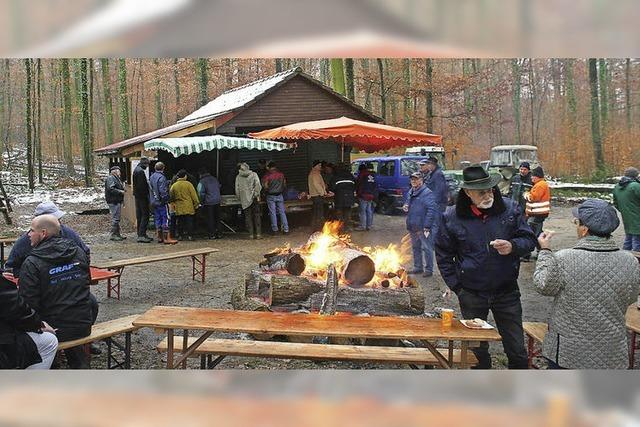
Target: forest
582,114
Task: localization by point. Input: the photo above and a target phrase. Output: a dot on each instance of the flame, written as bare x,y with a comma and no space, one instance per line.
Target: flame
319,254
387,259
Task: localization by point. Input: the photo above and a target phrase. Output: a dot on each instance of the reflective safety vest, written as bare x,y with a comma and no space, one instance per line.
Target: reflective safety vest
538,200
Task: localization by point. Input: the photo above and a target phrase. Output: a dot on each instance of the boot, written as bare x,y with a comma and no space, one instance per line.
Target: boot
167,238
115,234
160,236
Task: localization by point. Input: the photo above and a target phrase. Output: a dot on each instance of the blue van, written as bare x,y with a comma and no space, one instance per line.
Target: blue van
392,175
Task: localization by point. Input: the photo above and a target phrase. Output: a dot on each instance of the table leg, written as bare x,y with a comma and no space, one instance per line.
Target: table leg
193,347
530,350
127,350
439,357
198,267
204,267
463,354
632,350
185,343
1,254
450,353
169,348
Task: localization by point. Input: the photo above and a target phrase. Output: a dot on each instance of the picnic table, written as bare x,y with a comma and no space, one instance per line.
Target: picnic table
198,260
632,320
5,241
345,326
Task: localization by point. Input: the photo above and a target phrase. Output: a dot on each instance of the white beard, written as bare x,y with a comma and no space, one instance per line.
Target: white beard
486,204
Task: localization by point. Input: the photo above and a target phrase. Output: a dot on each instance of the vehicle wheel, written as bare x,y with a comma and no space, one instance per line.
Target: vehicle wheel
385,206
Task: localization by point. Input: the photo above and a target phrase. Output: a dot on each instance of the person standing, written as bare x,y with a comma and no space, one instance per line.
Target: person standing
248,190
538,205
424,170
317,193
262,168
478,251
274,185
626,198
160,201
54,281
422,216
520,185
26,342
114,196
592,283
343,187
366,191
186,202
437,183
209,193
141,195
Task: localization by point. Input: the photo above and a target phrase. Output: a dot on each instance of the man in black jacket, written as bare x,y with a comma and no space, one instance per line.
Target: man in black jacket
25,341
54,281
114,195
343,186
141,195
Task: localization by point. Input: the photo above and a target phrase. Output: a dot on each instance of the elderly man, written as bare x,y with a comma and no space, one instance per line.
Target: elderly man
478,249
54,281
437,183
114,195
141,195
592,284
422,219
626,198
159,186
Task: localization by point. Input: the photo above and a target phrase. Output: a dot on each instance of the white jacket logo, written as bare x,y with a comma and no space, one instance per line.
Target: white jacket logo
62,268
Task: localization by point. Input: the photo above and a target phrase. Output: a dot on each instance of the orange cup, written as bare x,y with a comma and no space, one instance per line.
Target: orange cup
447,317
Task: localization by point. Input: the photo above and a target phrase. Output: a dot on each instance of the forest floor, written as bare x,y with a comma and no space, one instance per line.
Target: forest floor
169,283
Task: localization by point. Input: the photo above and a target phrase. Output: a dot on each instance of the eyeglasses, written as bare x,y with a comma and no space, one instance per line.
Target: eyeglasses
576,221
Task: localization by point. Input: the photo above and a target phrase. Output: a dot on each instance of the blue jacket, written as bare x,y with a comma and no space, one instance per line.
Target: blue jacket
465,258
159,189
209,190
438,184
22,248
423,210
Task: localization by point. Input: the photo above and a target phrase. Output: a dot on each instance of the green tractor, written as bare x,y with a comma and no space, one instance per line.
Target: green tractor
506,159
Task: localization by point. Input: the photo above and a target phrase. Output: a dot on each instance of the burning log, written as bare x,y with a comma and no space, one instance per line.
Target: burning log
329,298
286,289
358,268
290,261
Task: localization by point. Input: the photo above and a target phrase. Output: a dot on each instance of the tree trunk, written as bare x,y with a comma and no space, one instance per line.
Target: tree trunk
349,77
125,127
337,75
570,91
375,301
532,98
406,105
108,103
27,66
87,146
176,87
595,115
383,95
158,96
429,93
38,119
604,96
627,92
91,110
4,95
278,65
292,262
516,79
66,91
228,73
202,75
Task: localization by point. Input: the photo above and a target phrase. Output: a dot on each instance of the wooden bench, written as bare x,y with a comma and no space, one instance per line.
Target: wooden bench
105,331
535,332
633,325
288,350
198,260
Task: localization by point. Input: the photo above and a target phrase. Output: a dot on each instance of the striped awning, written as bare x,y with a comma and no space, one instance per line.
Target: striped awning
196,144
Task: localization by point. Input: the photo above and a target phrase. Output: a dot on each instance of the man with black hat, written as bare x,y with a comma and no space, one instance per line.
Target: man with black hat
521,184
592,283
141,195
114,195
436,182
478,250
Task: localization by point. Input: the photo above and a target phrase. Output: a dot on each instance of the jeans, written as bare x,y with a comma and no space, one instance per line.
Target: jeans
253,219
213,219
366,213
142,216
276,207
47,345
116,214
507,312
160,215
184,224
536,222
317,220
423,250
631,242
344,215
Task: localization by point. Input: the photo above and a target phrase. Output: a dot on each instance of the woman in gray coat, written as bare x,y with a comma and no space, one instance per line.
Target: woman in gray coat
593,284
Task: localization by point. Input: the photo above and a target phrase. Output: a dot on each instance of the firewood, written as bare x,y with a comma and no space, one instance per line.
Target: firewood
292,262
329,298
286,289
378,301
358,268
240,301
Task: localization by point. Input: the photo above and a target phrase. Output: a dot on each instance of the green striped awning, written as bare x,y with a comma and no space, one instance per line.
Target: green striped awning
196,144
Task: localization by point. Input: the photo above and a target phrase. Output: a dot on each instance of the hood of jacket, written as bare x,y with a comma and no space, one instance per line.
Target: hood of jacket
245,173
55,249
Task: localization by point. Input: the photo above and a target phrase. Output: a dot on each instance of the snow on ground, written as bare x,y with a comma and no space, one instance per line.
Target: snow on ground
86,196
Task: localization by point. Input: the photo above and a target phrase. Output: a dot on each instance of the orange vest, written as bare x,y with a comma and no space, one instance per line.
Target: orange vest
539,200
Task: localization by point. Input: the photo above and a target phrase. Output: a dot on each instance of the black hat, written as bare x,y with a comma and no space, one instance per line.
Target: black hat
598,216
475,177
317,162
525,165
113,168
538,172
433,160
416,175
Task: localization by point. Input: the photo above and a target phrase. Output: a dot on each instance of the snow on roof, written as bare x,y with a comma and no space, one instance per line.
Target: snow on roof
240,96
